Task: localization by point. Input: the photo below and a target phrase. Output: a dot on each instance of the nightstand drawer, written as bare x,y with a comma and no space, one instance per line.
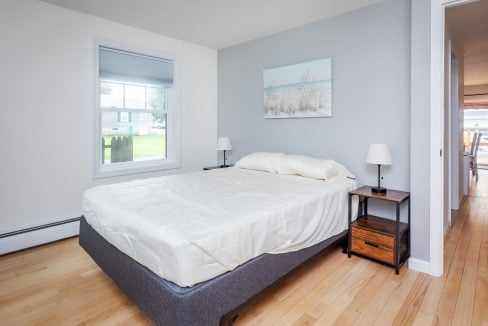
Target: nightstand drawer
373,244
374,237
373,250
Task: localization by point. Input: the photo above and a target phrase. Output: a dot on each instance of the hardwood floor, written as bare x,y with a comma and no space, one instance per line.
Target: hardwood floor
58,284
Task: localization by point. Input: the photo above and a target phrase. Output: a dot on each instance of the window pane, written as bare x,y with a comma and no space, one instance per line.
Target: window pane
135,97
155,98
111,95
127,136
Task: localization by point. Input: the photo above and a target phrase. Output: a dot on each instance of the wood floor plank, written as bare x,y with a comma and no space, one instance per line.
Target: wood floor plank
292,283
327,298
281,308
303,285
411,305
395,301
463,312
304,320
265,303
332,313
256,309
448,301
480,309
357,306
428,308
452,237
328,282
380,298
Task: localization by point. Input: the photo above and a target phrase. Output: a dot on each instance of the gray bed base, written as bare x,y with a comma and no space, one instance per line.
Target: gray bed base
208,303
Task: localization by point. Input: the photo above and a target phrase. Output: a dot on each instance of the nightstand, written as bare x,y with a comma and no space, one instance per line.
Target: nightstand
383,240
217,167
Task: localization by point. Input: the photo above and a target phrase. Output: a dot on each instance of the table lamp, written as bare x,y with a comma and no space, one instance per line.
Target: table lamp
379,154
224,144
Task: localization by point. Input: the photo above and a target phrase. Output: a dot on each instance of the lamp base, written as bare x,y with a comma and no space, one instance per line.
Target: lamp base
378,190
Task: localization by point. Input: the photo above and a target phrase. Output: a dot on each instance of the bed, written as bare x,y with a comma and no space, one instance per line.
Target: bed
190,249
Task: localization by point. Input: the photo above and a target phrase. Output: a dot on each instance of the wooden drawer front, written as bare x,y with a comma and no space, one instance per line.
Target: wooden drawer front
375,237
373,245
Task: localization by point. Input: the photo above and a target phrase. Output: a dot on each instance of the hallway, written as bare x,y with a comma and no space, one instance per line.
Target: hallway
480,188
464,297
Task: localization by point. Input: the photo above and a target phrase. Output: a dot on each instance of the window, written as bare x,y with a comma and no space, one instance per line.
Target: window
476,121
137,125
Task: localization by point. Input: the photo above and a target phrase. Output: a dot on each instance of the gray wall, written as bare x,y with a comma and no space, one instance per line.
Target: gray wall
370,51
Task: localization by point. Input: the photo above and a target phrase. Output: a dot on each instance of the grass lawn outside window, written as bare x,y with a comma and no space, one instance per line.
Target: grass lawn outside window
144,147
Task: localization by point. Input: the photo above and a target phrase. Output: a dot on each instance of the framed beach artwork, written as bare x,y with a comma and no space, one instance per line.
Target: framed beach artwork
301,90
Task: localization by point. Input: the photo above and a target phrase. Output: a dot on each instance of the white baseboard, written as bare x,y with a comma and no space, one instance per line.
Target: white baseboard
419,265
38,237
461,198
446,229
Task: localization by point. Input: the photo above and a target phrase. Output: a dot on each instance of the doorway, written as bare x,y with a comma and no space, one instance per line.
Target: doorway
438,8
464,114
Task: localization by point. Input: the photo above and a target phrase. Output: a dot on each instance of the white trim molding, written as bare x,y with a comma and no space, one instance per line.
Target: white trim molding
436,138
38,237
437,29
446,229
419,265
173,143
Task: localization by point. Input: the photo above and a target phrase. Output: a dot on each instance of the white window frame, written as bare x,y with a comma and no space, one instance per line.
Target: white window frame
123,116
172,160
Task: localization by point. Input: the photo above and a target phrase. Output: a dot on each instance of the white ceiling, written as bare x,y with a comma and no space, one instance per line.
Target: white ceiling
469,25
214,23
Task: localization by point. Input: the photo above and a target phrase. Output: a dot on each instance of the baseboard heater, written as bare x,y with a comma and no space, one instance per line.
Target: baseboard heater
38,235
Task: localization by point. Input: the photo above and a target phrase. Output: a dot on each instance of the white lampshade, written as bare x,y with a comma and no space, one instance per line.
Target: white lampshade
224,144
379,154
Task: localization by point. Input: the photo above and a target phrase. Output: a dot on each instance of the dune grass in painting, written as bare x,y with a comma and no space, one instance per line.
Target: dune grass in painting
298,91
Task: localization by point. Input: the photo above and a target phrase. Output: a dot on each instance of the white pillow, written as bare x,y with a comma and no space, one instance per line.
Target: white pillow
261,161
344,172
285,166
311,167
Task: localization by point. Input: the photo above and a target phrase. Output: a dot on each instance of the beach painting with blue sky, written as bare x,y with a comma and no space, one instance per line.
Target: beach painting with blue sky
302,90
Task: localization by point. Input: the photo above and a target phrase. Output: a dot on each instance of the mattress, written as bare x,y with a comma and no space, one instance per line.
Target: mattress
189,228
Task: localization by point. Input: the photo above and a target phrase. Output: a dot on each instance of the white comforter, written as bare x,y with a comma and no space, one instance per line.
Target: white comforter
189,228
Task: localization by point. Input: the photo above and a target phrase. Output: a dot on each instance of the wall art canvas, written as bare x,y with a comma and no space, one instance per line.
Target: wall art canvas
301,90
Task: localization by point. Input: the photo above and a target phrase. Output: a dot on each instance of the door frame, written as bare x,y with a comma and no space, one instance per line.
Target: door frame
448,134
437,48
455,159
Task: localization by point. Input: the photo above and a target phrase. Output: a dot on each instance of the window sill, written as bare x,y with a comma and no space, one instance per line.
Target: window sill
120,169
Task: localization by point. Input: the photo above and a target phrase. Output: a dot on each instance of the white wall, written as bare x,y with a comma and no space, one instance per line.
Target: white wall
46,96
453,115
458,142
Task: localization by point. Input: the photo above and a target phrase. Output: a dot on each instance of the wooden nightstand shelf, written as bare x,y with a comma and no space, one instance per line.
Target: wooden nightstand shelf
378,238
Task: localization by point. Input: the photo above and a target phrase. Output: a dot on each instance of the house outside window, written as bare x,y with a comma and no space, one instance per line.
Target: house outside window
137,123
